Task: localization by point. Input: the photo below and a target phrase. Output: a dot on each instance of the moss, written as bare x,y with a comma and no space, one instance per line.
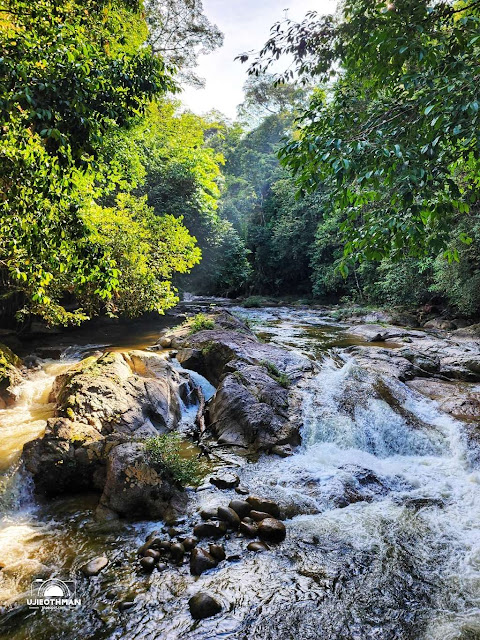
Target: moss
207,347
273,371
9,363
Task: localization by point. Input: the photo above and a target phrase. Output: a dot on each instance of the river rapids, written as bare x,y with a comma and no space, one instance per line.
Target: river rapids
383,520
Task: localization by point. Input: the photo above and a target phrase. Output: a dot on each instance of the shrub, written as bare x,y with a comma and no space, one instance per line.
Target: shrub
166,449
200,322
253,302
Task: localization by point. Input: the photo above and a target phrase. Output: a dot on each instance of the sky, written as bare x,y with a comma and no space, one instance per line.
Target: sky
246,26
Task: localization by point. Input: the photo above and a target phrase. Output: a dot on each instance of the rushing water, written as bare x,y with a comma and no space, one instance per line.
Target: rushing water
383,506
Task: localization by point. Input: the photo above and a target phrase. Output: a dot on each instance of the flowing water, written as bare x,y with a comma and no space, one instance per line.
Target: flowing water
383,506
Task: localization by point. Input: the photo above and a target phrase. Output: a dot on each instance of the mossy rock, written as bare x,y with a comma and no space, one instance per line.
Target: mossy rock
9,371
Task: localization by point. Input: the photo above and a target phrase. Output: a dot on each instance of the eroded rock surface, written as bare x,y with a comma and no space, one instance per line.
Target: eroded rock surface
106,407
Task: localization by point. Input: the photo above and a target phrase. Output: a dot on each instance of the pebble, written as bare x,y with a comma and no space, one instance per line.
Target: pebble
189,543
151,553
201,561
259,515
210,529
229,516
257,546
147,563
261,504
243,491
217,552
249,530
177,552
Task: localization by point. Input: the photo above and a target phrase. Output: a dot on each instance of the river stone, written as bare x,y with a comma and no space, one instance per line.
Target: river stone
210,529
93,567
177,552
209,513
203,605
201,561
267,506
242,491
225,480
229,516
217,551
147,563
272,530
152,553
242,507
190,543
259,515
249,530
257,546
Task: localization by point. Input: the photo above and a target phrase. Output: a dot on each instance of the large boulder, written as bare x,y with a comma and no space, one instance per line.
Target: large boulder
256,405
106,406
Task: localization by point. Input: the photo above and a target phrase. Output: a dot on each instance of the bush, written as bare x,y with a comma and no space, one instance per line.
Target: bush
200,322
253,302
166,449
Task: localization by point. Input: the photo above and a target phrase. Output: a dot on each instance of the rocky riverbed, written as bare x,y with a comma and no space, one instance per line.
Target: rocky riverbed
340,498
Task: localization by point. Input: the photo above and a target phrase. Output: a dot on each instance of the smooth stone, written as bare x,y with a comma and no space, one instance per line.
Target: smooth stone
93,567
172,532
248,520
161,566
225,480
257,546
126,605
261,504
242,491
190,543
249,530
229,516
241,507
201,561
152,553
155,543
177,552
272,530
147,563
259,515
203,605
210,529
208,514
217,552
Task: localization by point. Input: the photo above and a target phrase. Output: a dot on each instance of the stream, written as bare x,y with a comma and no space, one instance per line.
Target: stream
383,506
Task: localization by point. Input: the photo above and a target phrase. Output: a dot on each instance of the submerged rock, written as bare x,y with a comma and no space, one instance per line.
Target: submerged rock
203,605
93,567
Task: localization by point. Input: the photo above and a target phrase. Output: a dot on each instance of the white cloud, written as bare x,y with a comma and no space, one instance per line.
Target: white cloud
246,25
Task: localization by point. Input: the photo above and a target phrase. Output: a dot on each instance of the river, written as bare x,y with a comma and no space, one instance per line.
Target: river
383,505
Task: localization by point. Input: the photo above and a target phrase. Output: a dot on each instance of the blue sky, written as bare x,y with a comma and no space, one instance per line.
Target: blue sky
246,25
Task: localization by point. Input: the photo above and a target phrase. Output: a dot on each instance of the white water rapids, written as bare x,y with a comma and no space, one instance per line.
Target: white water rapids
383,539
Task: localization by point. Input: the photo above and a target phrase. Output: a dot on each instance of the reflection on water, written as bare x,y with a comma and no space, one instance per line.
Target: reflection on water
382,543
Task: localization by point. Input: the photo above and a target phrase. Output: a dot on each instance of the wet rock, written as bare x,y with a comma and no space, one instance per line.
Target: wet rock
147,563
261,504
241,507
10,375
210,529
93,567
257,516
229,516
242,491
217,551
257,546
177,553
272,530
248,530
225,480
190,543
172,532
126,605
208,514
151,553
284,451
203,605
201,561
161,566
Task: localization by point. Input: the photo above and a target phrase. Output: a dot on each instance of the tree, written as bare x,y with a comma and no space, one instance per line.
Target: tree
399,132
180,32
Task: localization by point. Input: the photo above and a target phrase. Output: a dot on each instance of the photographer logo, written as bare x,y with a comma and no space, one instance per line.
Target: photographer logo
53,594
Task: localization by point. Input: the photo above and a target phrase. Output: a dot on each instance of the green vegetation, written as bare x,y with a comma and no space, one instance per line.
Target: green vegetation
167,450
200,322
253,302
277,375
